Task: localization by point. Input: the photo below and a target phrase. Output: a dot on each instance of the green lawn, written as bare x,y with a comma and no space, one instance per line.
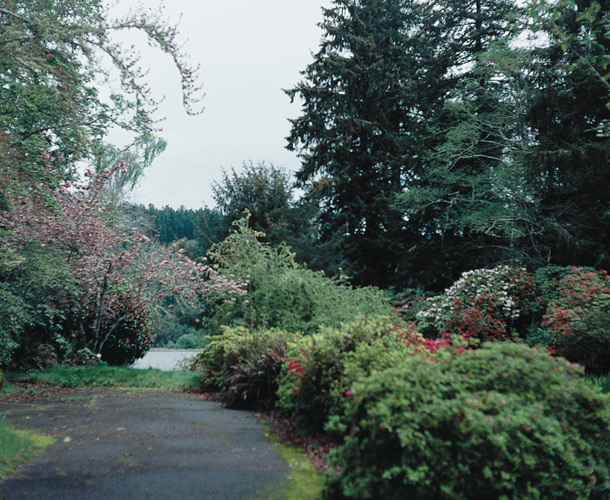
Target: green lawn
107,376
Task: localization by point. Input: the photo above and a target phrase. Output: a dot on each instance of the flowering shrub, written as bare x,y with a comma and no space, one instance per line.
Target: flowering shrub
577,318
408,333
74,224
127,331
473,426
578,292
483,304
320,369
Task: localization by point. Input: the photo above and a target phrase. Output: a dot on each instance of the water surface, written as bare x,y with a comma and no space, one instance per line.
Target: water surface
165,359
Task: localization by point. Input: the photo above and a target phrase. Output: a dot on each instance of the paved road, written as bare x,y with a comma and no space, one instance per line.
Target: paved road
143,445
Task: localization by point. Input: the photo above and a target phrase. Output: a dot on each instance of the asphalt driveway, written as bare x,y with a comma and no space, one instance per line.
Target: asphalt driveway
117,444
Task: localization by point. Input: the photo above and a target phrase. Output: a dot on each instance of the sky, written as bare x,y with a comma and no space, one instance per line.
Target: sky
248,51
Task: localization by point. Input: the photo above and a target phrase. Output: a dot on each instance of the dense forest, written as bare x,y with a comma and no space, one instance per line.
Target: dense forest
440,137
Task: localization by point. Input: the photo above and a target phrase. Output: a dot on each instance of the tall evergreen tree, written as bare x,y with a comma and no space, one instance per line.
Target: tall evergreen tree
366,98
435,144
383,124
570,168
471,198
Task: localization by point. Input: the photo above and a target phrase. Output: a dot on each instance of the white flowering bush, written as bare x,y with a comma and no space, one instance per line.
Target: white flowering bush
483,304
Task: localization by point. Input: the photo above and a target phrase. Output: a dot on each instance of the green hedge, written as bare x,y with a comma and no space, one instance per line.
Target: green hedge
243,365
503,422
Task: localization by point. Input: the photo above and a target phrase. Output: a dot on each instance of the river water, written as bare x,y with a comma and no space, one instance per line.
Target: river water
165,359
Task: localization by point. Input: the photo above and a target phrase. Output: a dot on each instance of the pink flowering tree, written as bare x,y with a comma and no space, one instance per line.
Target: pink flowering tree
107,262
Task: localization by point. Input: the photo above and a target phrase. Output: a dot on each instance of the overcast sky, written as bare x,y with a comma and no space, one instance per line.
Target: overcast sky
248,52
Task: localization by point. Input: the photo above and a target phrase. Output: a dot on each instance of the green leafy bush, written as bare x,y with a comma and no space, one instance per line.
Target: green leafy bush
282,293
321,368
1,380
14,317
31,316
502,422
244,365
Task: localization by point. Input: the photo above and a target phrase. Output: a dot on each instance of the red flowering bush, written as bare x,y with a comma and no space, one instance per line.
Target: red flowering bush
577,293
320,369
577,318
418,344
127,332
483,304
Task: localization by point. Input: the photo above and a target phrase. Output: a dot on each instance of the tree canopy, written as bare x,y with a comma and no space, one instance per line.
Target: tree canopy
444,136
75,278
55,56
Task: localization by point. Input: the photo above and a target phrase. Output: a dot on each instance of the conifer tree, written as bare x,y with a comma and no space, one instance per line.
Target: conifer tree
366,99
381,128
570,165
471,198
436,144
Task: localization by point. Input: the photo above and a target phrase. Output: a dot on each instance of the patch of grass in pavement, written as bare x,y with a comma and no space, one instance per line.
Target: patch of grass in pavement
17,446
305,483
9,389
107,376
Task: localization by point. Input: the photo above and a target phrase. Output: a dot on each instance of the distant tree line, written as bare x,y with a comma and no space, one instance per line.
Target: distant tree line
262,190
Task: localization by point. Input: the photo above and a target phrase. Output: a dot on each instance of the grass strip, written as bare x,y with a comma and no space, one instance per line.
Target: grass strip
107,376
305,482
18,446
